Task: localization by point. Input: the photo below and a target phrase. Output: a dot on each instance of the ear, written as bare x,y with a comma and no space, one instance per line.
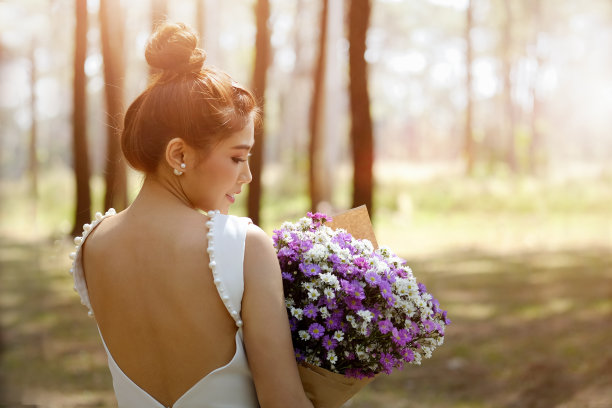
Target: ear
175,153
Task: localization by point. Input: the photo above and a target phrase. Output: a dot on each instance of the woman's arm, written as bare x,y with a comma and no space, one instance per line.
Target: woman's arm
267,337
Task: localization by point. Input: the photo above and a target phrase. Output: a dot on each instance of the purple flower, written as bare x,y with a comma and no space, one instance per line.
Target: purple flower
298,245
299,356
287,276
353,303
372,278
422,288
400,337
342,269
316,330
352,288
333,321
357,373
329,343
429,326
311,311
318,219
447,321
407,355
286,252
310,269
415,330
385,291
293,324
375,312
385,326
334,258
387,361
343,239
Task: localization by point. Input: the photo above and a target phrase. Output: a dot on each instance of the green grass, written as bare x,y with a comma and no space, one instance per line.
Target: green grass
523,266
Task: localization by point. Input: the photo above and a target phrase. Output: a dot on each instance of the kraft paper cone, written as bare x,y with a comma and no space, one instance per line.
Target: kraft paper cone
357,222
324,388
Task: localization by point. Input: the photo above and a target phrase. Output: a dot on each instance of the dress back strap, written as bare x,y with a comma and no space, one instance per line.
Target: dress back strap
226,242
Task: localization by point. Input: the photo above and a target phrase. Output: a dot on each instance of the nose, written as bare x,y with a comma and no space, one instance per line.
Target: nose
245,175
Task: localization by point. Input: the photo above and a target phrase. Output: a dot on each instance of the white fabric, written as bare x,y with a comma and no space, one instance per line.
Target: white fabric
230,386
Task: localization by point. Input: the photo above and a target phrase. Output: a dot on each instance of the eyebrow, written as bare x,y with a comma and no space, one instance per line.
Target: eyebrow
242,146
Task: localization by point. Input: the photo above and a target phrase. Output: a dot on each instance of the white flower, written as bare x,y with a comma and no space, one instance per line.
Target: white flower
330,279
331,356
304,223
338,335
326,268
324,312
289,302
420,303
365,315
304,335
329,293
297,313
316,254
363,329
352,321
308,285
313,294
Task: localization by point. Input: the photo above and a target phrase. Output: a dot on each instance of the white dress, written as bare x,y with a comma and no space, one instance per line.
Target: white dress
230,386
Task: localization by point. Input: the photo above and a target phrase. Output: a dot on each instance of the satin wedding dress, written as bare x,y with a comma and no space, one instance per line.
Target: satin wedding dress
230,386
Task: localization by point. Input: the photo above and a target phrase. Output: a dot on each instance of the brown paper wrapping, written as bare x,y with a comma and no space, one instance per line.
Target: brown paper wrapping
324,388
357,222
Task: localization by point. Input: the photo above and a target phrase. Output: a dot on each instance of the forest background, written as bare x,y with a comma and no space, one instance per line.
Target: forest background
478,132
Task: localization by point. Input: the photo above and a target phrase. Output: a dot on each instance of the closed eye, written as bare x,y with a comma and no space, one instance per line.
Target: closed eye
240,159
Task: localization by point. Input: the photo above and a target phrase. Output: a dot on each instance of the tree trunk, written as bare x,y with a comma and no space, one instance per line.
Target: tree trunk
112,35
468,137
210,33
361,125
33,159
508,104
200,20
79,135
316,151
536,142
262,59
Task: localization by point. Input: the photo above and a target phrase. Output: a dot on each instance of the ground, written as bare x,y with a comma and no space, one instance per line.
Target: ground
529,292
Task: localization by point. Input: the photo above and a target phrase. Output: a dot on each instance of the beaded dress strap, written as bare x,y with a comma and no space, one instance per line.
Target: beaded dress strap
76,270
223,292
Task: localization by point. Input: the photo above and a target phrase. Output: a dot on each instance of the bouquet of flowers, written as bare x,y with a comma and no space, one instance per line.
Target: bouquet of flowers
354,310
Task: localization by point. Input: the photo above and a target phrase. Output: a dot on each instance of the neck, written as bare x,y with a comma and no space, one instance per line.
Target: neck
160,192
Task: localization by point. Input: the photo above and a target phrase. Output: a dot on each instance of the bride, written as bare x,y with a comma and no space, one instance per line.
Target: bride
187,299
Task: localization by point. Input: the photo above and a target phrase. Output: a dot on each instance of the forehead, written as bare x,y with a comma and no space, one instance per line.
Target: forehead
240,140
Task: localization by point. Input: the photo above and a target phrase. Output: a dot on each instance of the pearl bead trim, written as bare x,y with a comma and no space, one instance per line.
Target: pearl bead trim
213,267
78,241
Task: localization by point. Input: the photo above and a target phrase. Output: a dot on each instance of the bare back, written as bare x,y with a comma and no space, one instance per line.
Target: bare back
155,301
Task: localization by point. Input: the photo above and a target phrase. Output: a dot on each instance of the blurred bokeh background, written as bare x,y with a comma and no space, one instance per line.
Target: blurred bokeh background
477,132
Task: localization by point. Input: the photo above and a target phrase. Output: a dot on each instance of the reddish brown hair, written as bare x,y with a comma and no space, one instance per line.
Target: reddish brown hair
197,103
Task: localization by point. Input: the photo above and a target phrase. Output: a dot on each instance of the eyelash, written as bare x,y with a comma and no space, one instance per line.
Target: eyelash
240,160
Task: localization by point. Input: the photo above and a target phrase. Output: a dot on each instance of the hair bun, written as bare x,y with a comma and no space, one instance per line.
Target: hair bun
173,47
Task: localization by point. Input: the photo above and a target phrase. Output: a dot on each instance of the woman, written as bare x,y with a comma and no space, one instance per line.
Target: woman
181,297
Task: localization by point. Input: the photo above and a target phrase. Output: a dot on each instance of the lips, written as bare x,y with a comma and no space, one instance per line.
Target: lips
230,198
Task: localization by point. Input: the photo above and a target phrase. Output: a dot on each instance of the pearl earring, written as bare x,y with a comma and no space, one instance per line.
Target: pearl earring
178,172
